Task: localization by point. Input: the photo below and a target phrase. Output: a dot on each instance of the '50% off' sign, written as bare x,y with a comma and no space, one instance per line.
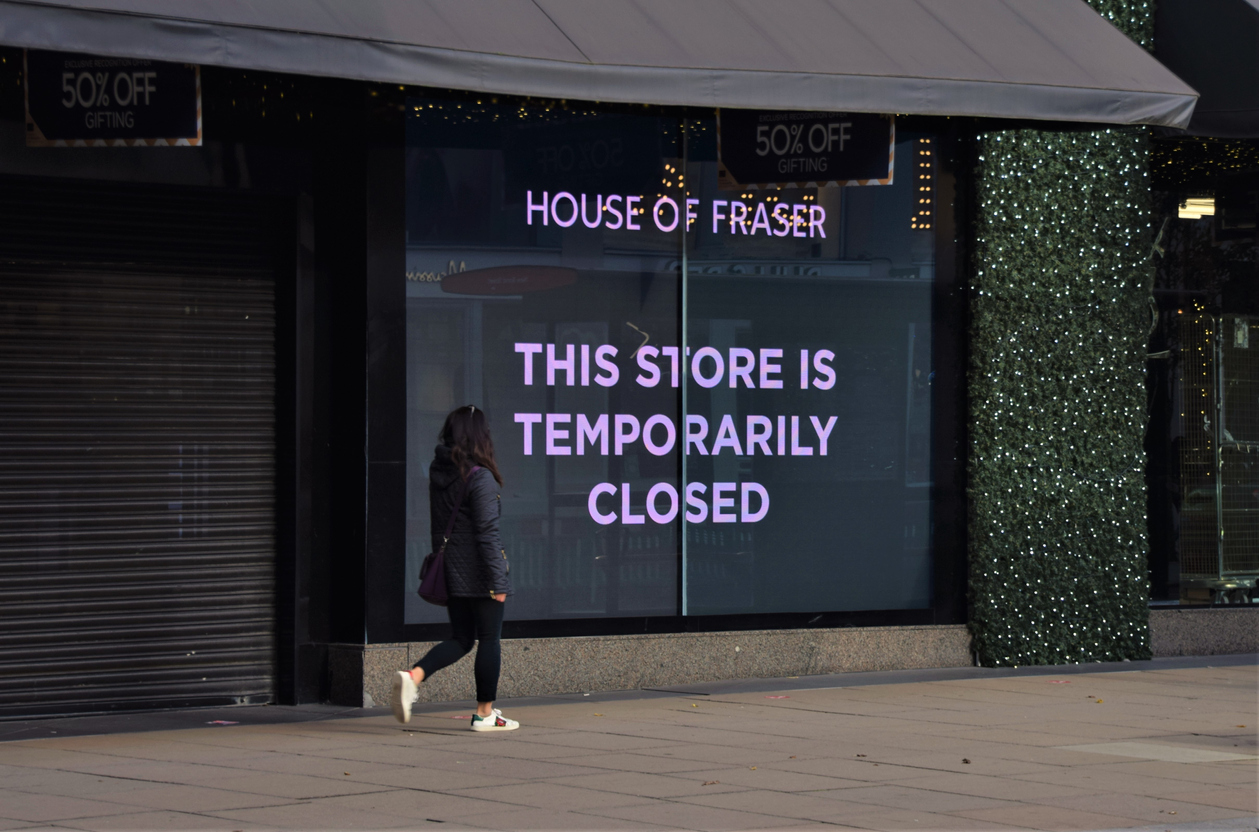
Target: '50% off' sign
91,89
766,149
75,100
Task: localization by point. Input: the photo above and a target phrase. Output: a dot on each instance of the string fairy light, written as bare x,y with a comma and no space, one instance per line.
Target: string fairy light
1057,528
923,173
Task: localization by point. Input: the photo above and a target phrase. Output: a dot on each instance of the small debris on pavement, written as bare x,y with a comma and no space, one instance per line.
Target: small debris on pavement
965,761
753,768
1099,701
711,782
1059,682
598,714
777,697
861,755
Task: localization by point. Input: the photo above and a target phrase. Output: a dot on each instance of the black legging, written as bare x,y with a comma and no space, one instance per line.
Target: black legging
471,620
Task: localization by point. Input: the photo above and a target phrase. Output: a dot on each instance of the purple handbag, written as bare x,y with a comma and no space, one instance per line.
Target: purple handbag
433,571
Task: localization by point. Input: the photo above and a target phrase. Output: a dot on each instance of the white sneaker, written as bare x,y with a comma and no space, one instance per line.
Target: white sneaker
404,694
494,722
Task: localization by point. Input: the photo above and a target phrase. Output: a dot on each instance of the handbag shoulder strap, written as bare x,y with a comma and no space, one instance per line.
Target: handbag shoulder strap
463,490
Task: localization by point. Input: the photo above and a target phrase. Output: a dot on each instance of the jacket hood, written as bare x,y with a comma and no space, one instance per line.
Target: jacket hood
443,471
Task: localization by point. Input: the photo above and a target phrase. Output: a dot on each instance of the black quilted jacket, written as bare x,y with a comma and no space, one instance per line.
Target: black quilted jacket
476,563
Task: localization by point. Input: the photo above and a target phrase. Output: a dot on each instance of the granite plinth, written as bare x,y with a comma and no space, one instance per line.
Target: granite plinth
1204,632
533,667
351,665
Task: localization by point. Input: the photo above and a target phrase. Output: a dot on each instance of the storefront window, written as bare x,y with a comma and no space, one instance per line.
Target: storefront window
707,398
1203,374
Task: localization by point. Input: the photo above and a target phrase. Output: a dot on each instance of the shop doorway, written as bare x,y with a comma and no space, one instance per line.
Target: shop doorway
137,447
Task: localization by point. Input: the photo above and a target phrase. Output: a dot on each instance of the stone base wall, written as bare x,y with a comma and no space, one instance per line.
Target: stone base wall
1212,632
531,667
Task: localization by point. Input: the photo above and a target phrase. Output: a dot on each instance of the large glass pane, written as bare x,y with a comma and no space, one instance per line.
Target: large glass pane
537,275
546,249
809,398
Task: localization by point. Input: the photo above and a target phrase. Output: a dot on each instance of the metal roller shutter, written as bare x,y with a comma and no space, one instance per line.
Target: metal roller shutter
137,447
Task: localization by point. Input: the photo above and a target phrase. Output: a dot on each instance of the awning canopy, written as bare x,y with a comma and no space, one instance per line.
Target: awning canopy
1034,59
1214,45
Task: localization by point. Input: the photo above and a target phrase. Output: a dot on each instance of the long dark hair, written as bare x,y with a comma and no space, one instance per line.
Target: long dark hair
467,434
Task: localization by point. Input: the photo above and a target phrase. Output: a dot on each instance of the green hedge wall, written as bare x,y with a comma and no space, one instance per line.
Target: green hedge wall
1059,318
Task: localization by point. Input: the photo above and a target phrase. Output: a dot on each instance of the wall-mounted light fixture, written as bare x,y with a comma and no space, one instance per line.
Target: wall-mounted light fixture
1195,208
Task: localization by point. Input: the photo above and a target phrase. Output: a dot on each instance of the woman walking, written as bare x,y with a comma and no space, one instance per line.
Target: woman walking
464,482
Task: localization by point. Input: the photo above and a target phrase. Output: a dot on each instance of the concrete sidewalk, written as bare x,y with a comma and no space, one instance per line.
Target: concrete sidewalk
1155,745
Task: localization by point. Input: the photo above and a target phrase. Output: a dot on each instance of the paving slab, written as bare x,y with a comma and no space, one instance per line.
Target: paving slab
647,763
894,796
551,819
849,771
435,779
997,787
295,786
517,769
160,821
150,770
763,777
193,799
1231,825
690,816
42,808
603,742
895,820
1243,799
70,783
1055,817
644,785
314,815
1220,774
1142,807
417,803
799,805
550,795
1107,779
1164,751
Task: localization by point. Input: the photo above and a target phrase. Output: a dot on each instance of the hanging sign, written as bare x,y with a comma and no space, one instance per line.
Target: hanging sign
76,100
768,149
575,154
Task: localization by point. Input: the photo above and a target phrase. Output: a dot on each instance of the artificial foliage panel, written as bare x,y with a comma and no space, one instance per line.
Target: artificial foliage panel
1059,321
